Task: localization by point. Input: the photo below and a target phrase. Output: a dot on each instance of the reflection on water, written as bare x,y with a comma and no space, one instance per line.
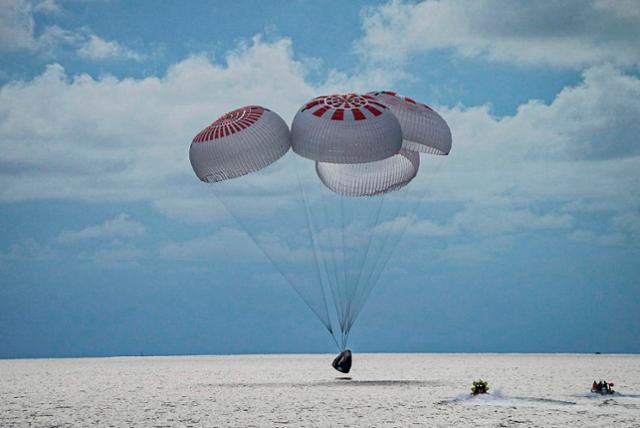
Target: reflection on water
338,382
373,383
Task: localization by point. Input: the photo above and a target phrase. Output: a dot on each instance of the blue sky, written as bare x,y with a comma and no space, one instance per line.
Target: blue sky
526,241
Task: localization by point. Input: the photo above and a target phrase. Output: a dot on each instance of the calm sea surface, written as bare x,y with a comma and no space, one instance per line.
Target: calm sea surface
303,390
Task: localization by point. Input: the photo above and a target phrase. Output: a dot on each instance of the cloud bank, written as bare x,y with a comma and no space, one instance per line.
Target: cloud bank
568,34
18,33
121,226
110,139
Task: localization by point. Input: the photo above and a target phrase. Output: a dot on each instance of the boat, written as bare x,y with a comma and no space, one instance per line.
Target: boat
604,390
480,387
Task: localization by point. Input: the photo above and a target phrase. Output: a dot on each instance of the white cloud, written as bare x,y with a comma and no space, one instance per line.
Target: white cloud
591,237
54,36
17,32
225,242
233,243
479,220
118,255
412,226
113,257
573,34
586,206
121,226
482,251
47,6
96,48
493,220
627,224
87,45
622,228
16,25
28,250
582,146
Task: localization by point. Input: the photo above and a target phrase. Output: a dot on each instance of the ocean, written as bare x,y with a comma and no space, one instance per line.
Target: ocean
384,390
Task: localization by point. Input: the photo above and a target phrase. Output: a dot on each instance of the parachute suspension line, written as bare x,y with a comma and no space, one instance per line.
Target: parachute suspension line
329,226
363,286
313,239
344,266
367,283
394,246
316,250
374,278
380,261
391,243
344,340
331,230
356,289
324,320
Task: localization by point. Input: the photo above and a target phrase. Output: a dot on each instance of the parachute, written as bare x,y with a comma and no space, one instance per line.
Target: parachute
370,178
238,143
345,129
423,130
325,214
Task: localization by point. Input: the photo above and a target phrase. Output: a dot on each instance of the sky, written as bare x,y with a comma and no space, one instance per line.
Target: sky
526,239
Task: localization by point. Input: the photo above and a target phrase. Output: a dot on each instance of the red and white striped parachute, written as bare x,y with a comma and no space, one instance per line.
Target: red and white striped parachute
347,128
242,141
423,130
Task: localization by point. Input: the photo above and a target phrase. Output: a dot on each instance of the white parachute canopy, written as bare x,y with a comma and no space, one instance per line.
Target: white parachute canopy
242,141
345,128
370,178
423,130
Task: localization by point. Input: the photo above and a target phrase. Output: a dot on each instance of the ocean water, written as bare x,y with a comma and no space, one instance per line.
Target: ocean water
400,390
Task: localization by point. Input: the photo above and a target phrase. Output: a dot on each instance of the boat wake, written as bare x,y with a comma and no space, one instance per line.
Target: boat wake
348,381
628,395
597,395
493,396
497,398
545,400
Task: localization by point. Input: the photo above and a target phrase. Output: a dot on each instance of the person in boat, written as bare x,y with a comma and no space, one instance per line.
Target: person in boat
594,386
599,388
